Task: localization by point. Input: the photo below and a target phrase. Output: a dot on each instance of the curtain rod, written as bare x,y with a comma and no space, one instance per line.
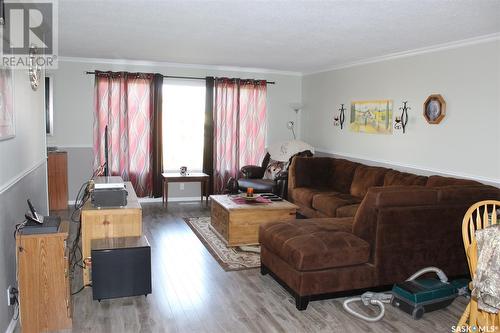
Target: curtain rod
195,78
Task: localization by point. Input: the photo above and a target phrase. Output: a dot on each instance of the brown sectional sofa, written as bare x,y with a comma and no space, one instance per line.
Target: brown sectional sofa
367,227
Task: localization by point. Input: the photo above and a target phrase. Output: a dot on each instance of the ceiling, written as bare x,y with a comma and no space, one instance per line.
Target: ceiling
301,36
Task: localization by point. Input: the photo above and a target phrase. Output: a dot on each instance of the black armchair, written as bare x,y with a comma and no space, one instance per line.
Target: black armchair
252,176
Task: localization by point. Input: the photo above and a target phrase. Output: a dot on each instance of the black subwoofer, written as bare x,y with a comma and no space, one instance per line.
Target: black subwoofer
121,267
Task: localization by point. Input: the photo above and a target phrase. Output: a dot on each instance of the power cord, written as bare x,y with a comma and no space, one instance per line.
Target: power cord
15,292
19,227
79,290
83,195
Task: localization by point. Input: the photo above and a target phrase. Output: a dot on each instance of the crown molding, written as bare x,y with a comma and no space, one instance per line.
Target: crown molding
390,56
175,65
414,52
409,167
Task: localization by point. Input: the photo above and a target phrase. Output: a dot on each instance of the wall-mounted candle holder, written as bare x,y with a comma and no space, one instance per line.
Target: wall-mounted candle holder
401,121
338,119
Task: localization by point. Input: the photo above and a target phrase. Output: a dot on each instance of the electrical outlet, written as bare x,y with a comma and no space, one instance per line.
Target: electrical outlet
11,296
181,186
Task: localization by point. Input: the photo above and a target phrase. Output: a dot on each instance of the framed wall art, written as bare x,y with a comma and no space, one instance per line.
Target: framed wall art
434,109
7,124
372,116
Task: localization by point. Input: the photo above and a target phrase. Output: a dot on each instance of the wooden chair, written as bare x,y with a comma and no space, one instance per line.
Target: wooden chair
478,217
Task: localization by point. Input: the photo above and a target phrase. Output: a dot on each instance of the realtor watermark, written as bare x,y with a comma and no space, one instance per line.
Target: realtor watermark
474,329
30,34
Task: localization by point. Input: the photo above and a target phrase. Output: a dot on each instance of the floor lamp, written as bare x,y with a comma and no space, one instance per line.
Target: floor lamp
291,124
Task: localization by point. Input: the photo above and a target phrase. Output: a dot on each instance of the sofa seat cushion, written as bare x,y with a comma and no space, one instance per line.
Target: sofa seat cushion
366,177
304,195
258,185
315,244
347,211
328,203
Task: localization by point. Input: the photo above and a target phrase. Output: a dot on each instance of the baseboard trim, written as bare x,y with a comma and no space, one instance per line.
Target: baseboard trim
174,199
152,200
13,181
409,167
12,325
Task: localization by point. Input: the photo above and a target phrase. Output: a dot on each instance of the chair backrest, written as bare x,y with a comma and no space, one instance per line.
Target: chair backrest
479,216
265,161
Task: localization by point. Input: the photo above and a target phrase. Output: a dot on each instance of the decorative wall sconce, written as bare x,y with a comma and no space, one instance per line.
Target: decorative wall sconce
339,119
401,121
34,71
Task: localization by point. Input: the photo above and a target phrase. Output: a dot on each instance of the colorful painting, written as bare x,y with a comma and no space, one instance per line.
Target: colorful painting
7,128
373,117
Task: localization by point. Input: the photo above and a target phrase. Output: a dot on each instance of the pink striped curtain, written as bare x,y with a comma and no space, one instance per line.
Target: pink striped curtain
252,131
239,127
123,103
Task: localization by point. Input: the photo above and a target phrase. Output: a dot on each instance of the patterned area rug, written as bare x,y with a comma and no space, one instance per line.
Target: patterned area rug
230,259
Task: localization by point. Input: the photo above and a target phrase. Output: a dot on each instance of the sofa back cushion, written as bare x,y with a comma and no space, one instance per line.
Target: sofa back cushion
342,174
366,177
396,178
467,193
435,181
311,172
365,220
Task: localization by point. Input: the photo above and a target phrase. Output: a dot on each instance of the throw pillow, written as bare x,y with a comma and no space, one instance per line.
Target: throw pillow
273,168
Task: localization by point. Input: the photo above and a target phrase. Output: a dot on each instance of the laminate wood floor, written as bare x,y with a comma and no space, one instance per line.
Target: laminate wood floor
192,293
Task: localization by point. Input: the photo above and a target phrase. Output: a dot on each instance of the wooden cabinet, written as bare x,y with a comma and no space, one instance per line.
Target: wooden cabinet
100,223
57,168
44,287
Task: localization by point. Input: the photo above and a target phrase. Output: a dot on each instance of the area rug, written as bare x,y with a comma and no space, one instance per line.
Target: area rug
230,259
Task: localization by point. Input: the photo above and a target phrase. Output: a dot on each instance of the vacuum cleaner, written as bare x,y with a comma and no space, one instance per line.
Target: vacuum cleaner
414,296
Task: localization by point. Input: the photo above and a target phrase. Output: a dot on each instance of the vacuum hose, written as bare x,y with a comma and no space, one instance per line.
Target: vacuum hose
378,299
441,275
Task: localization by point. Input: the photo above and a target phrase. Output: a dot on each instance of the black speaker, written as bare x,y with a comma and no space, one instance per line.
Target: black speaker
106,198
121,267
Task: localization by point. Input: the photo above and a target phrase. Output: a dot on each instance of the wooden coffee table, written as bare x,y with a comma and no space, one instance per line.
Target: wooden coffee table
238,224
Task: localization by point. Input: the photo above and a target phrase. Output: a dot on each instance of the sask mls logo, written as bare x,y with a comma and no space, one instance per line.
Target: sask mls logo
29,25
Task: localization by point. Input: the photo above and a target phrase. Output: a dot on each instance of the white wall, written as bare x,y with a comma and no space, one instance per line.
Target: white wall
74,98
23,174
466,143
27,148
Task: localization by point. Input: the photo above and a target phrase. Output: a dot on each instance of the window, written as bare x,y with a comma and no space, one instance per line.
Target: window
183,124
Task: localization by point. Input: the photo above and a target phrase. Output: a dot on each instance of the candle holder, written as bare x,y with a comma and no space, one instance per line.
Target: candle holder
401,121
339,119
397,123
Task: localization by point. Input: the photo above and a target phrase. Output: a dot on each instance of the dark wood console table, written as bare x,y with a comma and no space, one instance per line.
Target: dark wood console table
193,177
